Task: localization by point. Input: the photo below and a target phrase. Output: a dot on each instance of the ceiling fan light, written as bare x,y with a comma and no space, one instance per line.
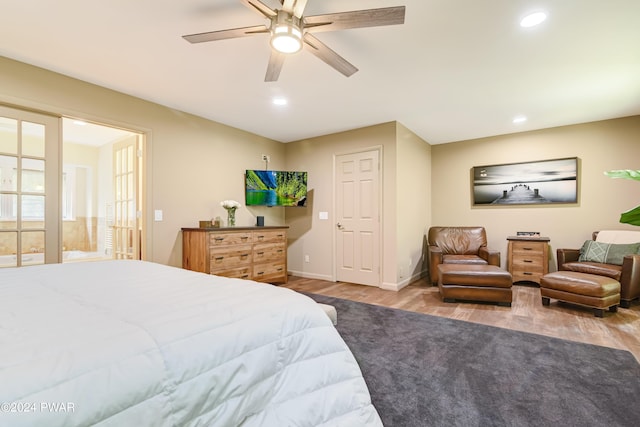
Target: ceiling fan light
286,39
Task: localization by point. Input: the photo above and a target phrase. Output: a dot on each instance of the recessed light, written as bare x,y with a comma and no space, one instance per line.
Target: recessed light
533,19
279,101
519,119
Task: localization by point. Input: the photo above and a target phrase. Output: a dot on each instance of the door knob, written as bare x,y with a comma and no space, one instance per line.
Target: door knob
340,227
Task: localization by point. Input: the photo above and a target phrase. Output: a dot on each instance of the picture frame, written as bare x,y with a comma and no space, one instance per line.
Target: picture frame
526,183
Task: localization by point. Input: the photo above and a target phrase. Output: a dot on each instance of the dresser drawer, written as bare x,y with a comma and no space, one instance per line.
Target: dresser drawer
223,239
270,236
266,252
269,272
224,258
238,273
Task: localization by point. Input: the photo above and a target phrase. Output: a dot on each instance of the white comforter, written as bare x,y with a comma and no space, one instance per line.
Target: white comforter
132,343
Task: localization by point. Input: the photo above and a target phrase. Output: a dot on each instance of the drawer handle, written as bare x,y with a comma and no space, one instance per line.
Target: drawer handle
528,249
261,272
244,255
217,239
260,237
260,253
244,238
219,258
527,260
279,250
280,269
246,276
528,274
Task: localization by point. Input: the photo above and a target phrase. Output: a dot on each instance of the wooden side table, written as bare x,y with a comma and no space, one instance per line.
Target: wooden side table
528,258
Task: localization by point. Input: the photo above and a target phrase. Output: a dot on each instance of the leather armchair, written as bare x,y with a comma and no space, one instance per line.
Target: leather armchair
628,274
458,245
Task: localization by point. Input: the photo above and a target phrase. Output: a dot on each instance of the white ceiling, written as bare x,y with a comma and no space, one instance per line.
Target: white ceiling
456,70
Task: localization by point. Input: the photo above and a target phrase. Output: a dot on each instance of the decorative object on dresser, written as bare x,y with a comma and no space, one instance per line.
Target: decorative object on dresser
255,253
231,206
528,258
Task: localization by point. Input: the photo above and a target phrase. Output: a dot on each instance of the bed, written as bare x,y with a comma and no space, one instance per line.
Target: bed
134,343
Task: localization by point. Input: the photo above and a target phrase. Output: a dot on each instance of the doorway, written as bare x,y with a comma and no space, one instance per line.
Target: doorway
102,214
358,227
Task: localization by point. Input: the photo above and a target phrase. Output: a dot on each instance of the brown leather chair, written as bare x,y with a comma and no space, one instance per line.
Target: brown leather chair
458,245
628,274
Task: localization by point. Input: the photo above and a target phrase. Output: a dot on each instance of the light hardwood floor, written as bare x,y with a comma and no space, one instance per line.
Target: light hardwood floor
619,330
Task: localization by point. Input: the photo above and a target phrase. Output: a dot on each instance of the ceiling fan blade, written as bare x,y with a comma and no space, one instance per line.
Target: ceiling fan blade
324,52
294,7
355,19
287,5
276,60
226,34
260,7
298,8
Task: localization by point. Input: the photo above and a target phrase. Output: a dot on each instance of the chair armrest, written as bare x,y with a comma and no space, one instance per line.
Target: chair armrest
492,257
630,277
567,255
435,258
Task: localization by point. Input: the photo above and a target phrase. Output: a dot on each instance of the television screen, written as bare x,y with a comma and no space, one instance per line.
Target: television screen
275,188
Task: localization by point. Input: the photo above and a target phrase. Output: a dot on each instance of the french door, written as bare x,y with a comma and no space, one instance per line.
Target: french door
358,217
127,227
30,219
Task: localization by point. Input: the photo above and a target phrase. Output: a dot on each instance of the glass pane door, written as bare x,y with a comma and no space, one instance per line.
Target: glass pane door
29,188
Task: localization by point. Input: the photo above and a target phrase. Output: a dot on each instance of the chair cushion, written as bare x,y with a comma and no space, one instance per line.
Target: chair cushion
463,259
608,270
458,240
606,253
618,236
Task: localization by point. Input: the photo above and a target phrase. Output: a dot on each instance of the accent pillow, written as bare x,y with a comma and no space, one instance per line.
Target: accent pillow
606,253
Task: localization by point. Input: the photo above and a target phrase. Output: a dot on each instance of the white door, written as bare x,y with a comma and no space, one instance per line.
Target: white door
126,216
358,218
29,188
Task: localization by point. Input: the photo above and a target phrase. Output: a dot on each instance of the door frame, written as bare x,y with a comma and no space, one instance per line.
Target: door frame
334,262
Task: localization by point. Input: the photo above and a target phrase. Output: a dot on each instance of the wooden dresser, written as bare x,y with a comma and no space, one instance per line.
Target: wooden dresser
528,258
256,253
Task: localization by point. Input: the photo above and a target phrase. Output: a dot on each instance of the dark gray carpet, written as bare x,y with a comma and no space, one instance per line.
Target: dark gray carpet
429,371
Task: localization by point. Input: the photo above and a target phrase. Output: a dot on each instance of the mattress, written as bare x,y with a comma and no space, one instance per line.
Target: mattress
134,343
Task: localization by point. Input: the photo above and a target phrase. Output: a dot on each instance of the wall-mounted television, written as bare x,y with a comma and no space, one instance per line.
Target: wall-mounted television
275,188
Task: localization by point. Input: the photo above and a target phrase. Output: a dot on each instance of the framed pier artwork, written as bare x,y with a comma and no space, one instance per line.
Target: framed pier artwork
526,183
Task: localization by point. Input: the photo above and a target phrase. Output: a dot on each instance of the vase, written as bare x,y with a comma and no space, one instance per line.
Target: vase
231,217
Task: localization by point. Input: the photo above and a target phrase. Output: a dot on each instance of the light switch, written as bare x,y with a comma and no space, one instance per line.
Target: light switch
157,215
323,215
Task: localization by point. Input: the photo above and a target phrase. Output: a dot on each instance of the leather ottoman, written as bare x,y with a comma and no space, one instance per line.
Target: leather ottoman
475,283
589,290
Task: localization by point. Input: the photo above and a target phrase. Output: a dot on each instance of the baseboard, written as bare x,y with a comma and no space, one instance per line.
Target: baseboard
387,286
403,283
307,275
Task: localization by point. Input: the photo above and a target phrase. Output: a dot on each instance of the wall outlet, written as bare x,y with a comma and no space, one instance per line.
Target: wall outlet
306,258
266,158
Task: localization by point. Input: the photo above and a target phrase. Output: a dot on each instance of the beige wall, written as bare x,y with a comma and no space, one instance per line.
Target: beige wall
599,146
194,163
314,237
413,204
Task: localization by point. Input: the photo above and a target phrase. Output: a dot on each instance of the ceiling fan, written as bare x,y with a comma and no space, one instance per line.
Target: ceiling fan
290,31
